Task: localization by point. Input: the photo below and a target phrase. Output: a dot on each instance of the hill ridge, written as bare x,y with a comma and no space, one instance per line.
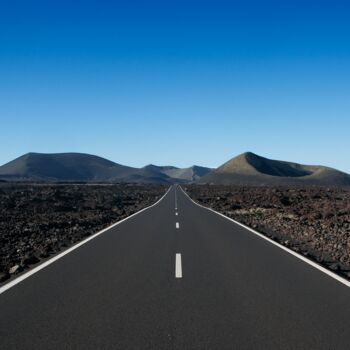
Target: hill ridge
246,169
75,166
251,169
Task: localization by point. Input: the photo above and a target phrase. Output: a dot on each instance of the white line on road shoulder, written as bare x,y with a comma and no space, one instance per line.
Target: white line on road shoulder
177,225
67,251
178,266
292,252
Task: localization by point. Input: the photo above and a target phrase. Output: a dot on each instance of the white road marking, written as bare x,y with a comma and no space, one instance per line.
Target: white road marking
292,252
177,225
178,266
61,255
176,214
175,198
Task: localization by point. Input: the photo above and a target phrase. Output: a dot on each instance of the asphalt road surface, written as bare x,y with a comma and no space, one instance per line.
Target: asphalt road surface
164,281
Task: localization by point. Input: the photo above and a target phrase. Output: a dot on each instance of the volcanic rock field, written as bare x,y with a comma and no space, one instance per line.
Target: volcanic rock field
39,220
312,221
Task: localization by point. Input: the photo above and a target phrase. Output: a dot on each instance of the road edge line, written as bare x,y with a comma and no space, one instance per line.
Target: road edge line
279,245
46,263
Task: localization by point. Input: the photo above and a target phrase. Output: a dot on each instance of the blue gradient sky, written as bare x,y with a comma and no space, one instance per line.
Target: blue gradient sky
176,82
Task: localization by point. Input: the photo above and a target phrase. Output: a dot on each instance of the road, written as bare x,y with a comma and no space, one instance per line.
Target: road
194,280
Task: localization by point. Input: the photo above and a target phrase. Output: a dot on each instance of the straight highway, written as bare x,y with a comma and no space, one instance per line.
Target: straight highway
176,276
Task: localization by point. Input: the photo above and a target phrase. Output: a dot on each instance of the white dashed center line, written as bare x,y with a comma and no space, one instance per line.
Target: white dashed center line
177,225
178,266
175,199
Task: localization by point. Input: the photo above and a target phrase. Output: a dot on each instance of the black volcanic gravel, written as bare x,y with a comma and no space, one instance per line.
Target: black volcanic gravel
39,220
312,221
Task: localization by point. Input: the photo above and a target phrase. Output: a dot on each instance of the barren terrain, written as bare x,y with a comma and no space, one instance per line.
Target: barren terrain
312,221
39,220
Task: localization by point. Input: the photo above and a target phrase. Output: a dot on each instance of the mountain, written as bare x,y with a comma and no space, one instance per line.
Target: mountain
249,169
190,174
86,167
62,167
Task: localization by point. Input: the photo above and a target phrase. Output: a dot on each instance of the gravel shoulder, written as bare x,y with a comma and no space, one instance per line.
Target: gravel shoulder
39,220
312,221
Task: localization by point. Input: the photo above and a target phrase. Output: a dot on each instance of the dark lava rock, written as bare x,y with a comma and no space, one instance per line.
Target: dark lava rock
314,221
4,276
39,220
30,260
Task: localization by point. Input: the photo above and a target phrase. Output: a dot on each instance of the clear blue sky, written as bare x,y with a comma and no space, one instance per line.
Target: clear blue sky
176,82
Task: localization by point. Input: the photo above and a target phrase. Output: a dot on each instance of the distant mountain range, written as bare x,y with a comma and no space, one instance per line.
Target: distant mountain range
86,167
247,169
